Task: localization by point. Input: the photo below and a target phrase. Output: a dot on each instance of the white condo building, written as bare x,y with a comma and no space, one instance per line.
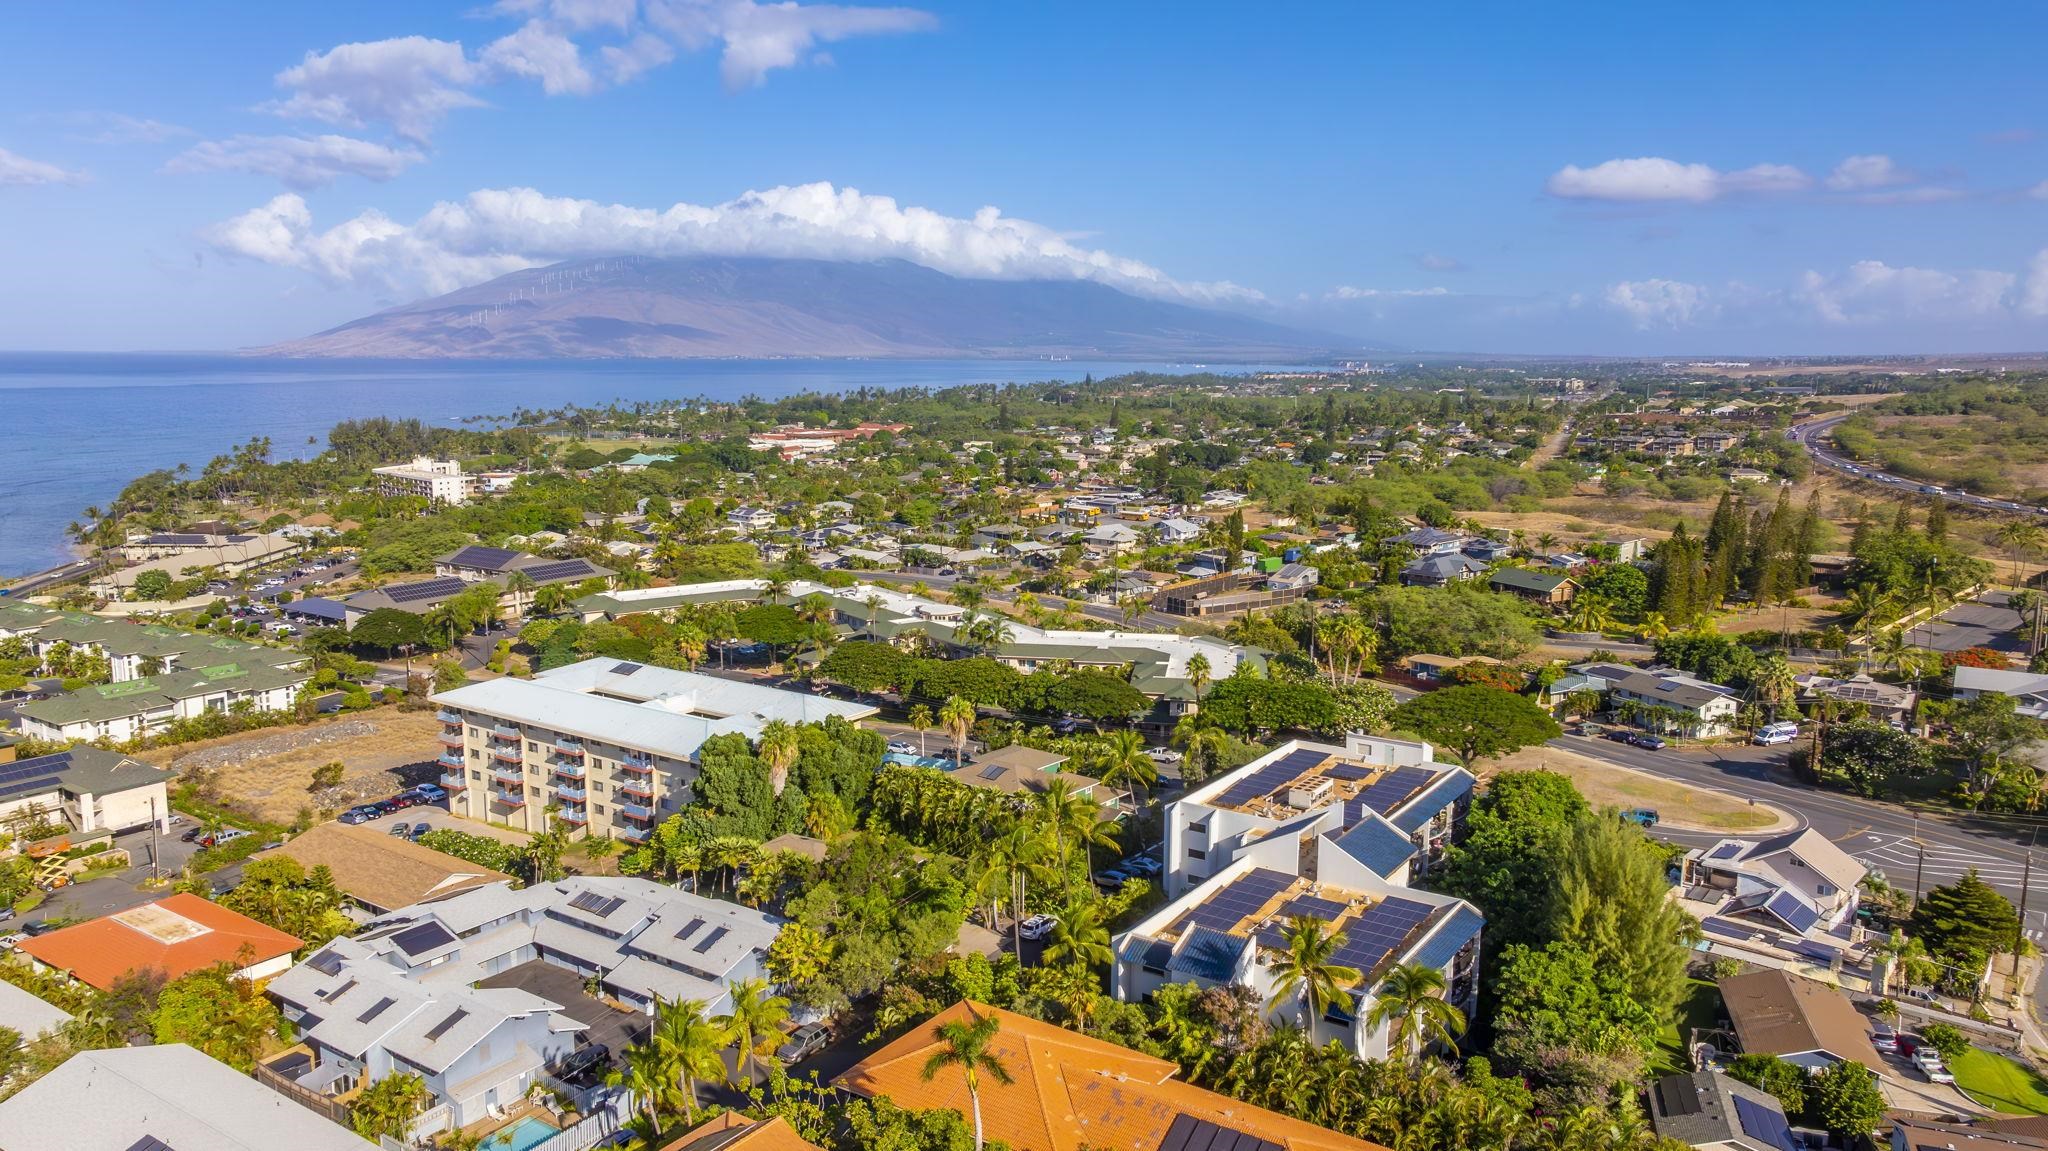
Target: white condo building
437,481
611,745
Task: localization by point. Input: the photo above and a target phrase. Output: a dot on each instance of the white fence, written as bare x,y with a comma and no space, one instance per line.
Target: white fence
599,1126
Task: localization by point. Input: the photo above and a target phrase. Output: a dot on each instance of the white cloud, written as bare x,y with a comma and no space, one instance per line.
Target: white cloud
1653,178
1347,292
20,171
642,53
494,231
1432,262
409,83
538,52
1873,292
759,38
115,128
1661,303
1859,173
297,161
578,15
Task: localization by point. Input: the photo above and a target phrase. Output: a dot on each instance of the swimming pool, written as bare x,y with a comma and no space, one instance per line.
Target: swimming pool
529,1132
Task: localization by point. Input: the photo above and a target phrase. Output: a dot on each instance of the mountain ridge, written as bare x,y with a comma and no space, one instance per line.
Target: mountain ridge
643,307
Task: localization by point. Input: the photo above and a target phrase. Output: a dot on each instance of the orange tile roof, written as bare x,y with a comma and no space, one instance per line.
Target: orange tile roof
732,1131
176,935
1068,1090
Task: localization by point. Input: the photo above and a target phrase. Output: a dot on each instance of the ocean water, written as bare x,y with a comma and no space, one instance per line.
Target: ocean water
75,429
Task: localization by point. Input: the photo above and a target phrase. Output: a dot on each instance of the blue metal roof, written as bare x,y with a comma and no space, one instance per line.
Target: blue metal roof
1206,953
1441,794
1382,849
1444,944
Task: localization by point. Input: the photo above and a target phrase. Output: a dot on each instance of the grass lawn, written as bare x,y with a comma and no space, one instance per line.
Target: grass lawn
2001,1083
1676,803
1701,1008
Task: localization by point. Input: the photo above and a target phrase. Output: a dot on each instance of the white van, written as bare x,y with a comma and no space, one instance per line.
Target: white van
1771,733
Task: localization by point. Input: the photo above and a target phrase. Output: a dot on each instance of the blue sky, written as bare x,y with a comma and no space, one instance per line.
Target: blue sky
1624,179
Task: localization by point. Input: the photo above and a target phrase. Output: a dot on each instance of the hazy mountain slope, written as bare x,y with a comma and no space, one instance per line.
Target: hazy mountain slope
646,307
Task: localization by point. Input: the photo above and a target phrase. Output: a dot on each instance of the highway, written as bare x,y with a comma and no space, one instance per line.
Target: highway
62,573
1886,837
1813,436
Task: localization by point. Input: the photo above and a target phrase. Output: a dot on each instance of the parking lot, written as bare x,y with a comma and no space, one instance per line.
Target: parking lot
1986,621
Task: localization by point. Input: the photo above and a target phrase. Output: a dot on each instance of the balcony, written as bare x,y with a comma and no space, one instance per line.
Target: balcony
450,759
506,775
452,738
573,815
508,754
634,834
636,811
453,781
571,770
636,787
446,716
503,732
569,747
509,799
569,791
634,761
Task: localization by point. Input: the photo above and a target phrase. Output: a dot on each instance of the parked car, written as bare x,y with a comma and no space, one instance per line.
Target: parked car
1141,865
403,800
362,814
1885,1038
1641,816
1618,735
1066,725
1929,1064
1162,754
227,835
421,828
192,836
1645,739
384,807
401,828
1112,878
901,747
1038,927
429,793
803,1043
41,927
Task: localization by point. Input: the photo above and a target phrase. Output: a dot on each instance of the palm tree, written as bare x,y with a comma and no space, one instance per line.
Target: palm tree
551,599
1080,937
1198,675
775,588
920,722
1774,685
1655,627
1064,813
1546,542
967,1047
1120,758
755,1022
1865,607
689,1043
1412,998
2019,538
2027,603
646,1074
779,749
957,717
1019,849
1589,614
874,602
1204,745
519,586
1306,971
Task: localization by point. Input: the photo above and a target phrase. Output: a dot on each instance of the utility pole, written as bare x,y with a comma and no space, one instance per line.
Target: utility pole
1920,863
2019,937
155,872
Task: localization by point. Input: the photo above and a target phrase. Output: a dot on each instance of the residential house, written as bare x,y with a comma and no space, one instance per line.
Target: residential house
91,789
1885,702
750,519
1486,549
1747,476
1430,541
1676,704
1021,770
733,1131
1442,568
380,872
1386,801
1799,881
426,478
1712,1111
132,650
1067,1090
1552,589
1913,1133
1293,577
176,935
2028,690
1802,1021
610,745
167,1097
29,1016
1629,549
120,712
1178,531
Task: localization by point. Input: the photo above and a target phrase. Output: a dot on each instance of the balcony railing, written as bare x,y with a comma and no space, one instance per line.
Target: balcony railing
453,781
569,791
634,834
508,754
452,738
635,787
569,747
446,716
503,732
634,761
636,811
572,770
449,759
503,775
572,815
509,799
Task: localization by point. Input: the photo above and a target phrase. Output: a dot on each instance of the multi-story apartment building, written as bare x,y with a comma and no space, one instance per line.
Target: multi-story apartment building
605,745
437,481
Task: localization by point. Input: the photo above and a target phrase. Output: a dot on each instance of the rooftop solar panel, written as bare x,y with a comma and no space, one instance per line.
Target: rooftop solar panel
489,559
1792,910
690,928
561,570
1397,788
1313,907
1243,897
1763,1124
1348,771
424,590
326,963
375,1010
625,668
1272,775
1188,1133
1380,931
1677,1096
596,904
1726,851
708,942
441,1028
425,937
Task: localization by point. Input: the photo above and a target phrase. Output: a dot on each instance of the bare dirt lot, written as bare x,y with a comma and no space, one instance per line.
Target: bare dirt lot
1677,804
269,772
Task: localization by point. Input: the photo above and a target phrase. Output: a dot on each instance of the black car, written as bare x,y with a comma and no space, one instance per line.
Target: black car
1620,736
385,807
192,835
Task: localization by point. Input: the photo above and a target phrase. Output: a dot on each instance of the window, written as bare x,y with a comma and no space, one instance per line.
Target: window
1197,853
597,808
597,786
1201,828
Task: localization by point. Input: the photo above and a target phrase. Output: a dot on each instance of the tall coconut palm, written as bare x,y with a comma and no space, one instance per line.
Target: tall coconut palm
646,1074
957,717
519,586
1412,1000
775,589
1203,744
874,605
2019,538
1198,675
920,722
1020,849
690,1043
779,749
966,1046
1119,757
1589,614
1307,972
754,1023
1080,937
1775,685
1066,816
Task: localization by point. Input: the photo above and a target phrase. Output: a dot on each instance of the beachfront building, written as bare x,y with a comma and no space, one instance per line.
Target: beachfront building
423,477
603,744
1386,804
132,650
182,555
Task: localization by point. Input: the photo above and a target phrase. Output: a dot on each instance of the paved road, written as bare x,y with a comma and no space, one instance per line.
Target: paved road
62,573
1882,835
1814,437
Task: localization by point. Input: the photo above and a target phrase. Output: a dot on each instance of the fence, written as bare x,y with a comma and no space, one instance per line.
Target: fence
601,1125
333,1110
431,1122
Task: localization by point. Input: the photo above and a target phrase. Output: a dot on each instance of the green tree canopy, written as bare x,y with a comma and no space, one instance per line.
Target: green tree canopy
1965,923
1476,722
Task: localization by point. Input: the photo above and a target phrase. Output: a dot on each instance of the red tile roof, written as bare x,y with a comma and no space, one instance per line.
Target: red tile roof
176,935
